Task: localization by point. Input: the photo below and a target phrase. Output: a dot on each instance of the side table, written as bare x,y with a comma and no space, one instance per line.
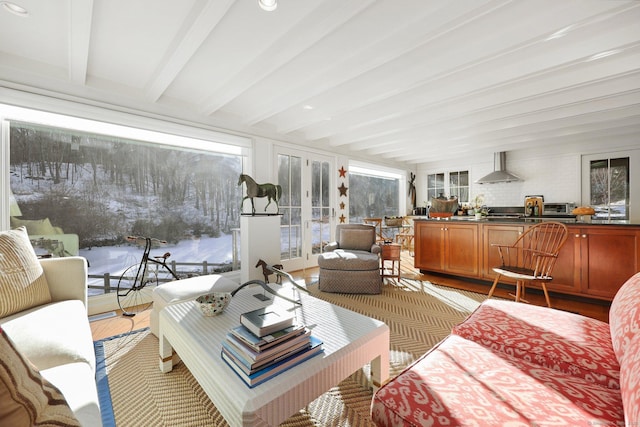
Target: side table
390,253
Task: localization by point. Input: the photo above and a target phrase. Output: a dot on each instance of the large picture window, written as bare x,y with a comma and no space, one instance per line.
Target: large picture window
373,194
80,193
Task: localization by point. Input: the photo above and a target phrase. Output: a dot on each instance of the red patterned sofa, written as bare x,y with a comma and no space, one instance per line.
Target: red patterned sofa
513,364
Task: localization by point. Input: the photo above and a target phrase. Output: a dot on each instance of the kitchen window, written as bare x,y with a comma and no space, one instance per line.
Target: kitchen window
435,185
458,185
609,187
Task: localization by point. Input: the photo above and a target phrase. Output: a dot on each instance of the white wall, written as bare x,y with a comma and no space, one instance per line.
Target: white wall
556,177
548,171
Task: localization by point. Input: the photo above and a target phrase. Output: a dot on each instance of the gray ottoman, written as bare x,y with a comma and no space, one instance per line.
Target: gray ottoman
349,271
186,289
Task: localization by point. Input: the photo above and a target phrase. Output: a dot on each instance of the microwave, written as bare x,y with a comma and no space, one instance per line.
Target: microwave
558,208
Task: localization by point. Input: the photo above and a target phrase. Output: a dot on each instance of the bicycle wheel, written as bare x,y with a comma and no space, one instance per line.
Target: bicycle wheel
134,293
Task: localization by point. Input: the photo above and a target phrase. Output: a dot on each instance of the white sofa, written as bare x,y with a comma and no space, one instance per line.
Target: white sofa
56,337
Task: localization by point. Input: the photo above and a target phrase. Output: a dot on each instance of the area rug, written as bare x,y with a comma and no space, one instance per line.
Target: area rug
419,315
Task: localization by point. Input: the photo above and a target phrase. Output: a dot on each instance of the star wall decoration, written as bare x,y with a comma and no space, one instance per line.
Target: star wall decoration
343,190
342,219
343,172
342,206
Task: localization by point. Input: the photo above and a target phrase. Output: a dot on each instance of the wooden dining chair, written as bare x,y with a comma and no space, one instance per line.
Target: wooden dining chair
531,258
377,222
406,234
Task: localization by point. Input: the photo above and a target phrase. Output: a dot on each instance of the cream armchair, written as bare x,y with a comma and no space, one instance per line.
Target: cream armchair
351,264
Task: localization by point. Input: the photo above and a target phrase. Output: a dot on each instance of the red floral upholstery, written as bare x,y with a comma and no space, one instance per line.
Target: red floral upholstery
624,320
558,340
624,315
630,384
512,364
461,382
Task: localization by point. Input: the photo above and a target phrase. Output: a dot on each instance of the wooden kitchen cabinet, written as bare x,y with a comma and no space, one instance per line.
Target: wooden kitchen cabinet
498,234
448,248
594,262
597,260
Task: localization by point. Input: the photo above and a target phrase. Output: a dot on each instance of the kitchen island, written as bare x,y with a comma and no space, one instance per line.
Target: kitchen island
598,257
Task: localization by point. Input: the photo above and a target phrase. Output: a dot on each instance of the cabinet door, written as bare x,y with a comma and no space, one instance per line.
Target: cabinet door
567,270
609,258
428,246
496,235
461,249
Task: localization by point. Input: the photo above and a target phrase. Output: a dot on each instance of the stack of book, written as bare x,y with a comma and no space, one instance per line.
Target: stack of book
266,343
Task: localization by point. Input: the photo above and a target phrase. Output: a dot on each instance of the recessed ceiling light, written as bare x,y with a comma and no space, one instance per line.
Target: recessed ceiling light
308,107
268,5
15,9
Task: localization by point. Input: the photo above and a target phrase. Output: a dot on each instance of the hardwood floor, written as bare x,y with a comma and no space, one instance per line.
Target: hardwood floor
119,324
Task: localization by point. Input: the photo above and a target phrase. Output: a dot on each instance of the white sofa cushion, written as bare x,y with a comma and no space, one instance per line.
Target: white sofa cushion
76,381
52,334
26,397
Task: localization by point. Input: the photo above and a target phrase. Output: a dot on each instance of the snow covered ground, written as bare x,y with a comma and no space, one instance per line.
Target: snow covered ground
115,259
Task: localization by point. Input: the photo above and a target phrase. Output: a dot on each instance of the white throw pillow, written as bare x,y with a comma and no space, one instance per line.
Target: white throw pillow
22,281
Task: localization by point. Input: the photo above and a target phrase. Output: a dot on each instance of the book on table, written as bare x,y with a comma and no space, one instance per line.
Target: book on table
272,369
253,357
267,320
263,343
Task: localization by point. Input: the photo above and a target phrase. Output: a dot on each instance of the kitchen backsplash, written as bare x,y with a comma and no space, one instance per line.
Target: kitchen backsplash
557,178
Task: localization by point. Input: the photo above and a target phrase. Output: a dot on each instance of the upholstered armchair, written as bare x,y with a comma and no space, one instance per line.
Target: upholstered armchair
351,264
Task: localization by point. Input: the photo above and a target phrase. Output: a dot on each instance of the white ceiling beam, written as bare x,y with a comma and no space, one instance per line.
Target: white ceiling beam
528,135
390,44
324,19
203,18
559,83
80,19
578,139
513,115
522,63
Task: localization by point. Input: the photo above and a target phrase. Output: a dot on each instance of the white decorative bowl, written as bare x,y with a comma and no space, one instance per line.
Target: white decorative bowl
214,303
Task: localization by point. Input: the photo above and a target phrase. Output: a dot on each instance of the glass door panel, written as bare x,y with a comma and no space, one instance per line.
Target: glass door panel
320,206
307,215
290,178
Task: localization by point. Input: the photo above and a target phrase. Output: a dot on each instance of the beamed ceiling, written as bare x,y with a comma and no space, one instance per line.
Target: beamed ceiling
409,81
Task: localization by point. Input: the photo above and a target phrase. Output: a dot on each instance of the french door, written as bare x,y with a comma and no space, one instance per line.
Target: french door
308,183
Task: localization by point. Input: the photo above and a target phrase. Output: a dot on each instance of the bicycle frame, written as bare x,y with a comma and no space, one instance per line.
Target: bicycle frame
130,286
144,264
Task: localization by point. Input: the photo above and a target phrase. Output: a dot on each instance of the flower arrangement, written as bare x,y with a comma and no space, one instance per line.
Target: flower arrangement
478,201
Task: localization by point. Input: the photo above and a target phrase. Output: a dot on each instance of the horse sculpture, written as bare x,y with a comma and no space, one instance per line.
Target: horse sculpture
270,191
267,271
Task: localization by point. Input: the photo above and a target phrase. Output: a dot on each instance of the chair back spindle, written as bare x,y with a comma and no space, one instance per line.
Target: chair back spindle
532,257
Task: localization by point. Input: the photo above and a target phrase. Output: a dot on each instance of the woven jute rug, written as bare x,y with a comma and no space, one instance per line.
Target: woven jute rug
419,315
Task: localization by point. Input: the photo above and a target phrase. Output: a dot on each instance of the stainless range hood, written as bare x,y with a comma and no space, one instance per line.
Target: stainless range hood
500,173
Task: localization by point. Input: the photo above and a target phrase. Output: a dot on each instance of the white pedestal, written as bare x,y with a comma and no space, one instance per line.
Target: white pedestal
259,240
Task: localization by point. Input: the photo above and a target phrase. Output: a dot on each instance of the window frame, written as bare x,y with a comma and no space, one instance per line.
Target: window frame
633,213
446,189
382,172
109,123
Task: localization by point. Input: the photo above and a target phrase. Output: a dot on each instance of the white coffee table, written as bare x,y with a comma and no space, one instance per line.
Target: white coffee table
350,341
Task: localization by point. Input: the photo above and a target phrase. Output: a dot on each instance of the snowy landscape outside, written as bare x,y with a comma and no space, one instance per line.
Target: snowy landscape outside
102,189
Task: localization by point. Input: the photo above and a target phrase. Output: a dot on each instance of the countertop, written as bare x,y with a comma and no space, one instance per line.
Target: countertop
524,220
